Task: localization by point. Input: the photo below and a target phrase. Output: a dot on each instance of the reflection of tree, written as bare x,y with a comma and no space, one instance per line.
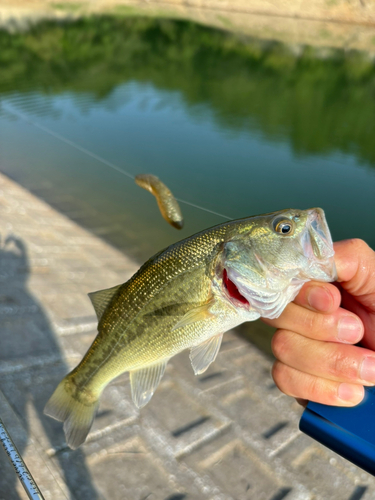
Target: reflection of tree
26,334
323,104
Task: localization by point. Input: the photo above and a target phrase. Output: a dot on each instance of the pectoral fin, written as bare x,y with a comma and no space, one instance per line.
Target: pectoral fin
101,299
199,313
145,381
202,355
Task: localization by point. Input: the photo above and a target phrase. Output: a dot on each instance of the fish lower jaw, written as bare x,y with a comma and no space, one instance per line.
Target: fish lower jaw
324,270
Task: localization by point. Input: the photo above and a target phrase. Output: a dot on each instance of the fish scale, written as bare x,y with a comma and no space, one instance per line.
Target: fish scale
187,296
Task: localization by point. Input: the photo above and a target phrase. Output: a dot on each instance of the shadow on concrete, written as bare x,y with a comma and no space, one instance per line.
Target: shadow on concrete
31,364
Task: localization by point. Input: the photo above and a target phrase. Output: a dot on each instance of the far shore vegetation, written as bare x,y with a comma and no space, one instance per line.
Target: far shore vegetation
323,100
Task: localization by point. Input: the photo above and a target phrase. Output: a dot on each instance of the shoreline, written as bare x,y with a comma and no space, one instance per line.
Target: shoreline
322,24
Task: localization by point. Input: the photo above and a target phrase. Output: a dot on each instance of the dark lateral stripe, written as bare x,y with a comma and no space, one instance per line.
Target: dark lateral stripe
190,426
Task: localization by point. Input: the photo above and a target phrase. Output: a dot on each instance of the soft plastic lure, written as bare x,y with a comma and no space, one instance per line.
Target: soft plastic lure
167,203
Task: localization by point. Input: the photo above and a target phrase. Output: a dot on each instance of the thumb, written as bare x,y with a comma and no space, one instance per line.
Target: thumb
355,263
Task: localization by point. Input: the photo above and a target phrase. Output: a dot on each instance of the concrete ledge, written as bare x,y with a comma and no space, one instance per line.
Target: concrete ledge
226,434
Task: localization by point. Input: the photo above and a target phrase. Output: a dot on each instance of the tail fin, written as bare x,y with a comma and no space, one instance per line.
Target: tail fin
77,413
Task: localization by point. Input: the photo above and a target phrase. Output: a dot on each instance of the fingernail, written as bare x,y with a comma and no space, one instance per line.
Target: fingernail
349,329
318,298
351,393
368,370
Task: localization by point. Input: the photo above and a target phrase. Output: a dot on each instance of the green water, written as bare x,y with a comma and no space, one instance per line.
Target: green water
236,126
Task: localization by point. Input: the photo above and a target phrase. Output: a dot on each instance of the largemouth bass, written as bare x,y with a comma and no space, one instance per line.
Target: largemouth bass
167,203
186,297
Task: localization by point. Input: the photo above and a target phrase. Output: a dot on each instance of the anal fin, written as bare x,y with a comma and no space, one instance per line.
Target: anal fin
202,355
145,381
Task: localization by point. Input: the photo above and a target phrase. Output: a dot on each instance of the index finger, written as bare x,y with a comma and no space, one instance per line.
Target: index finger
341,326
319,297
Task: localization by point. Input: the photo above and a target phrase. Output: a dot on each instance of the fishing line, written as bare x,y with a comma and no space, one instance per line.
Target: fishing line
67,141
202,208
61,138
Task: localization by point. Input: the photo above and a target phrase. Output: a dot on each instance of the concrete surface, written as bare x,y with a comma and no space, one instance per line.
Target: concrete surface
227,434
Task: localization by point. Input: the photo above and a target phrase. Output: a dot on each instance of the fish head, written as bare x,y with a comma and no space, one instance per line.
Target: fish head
267,259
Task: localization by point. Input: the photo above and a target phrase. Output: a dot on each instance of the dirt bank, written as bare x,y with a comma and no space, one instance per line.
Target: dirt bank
325,23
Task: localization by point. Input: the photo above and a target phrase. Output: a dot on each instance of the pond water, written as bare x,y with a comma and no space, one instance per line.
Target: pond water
238,127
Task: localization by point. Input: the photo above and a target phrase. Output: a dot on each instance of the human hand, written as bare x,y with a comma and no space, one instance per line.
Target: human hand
315,356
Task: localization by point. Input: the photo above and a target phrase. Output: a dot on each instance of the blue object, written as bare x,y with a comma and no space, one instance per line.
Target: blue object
350,432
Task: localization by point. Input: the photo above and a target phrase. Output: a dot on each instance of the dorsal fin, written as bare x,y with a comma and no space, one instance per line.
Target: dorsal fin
101,299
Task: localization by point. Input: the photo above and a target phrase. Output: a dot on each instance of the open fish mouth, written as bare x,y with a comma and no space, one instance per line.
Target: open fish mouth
267,303
233,292
317,246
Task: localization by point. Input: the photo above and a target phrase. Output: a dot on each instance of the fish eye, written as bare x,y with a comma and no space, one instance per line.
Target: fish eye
283,226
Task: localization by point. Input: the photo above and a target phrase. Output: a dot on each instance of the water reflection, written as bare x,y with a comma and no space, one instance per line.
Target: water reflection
323,100
27,337
240,126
